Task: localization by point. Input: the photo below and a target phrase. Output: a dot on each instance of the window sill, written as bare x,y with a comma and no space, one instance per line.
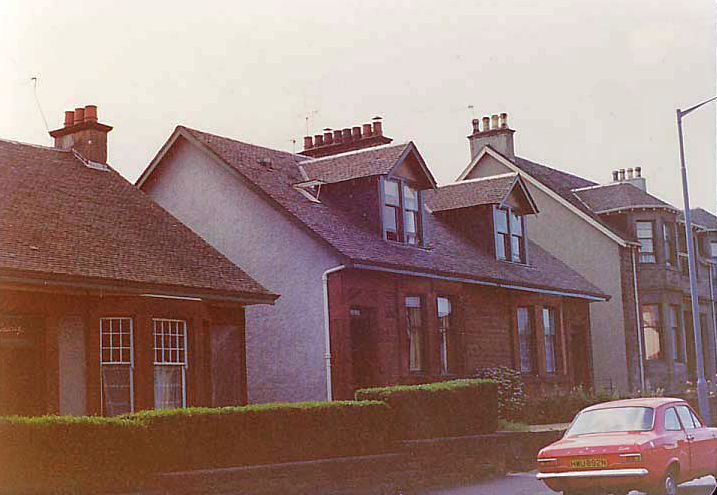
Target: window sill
406,245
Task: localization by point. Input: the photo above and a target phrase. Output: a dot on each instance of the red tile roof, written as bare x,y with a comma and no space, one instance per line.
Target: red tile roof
61,219
472,192
274,173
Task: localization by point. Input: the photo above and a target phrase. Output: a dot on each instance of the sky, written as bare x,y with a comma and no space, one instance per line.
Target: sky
588,85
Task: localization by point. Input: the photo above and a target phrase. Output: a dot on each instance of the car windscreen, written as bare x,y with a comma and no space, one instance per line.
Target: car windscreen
612,420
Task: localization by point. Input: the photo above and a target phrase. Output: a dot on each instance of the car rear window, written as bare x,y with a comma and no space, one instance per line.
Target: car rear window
612,420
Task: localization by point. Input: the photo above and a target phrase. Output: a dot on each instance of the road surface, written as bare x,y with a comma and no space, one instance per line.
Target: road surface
527,484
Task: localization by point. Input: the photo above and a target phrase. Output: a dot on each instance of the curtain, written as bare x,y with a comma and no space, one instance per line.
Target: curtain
168,387
116,392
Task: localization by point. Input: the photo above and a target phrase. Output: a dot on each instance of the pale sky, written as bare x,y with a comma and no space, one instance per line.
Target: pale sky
589,86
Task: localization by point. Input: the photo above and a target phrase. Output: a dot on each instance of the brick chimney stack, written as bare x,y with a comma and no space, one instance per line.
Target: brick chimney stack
346,139
81,132
495,133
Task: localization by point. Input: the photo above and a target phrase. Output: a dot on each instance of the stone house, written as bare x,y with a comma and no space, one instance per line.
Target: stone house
385,277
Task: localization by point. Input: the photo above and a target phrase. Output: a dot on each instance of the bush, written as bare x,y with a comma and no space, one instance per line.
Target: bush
453,408
231,436
562,407
511,390
67,453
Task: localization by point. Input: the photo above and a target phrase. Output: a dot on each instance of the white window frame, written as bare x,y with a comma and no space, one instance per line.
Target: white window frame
162,349
445,331
121,362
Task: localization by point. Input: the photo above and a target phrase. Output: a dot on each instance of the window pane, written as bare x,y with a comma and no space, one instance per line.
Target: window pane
651,331
415,336
685,417
516,224
549,329
444,328
696,420
671,422
501,221
500,249
713,249
390,221
390,191
516,249
525,340
644,229
168,387
410,198
116,389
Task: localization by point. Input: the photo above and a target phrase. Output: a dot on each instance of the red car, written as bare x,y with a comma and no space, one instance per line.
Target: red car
649,445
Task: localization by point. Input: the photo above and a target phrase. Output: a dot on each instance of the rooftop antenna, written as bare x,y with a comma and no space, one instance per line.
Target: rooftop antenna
472,111
34,80
293,146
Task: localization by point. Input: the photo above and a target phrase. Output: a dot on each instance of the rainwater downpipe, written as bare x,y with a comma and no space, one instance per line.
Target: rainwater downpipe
637,320
327,331
712,305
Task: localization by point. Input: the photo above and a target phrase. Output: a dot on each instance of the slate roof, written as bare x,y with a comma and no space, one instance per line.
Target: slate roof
618,196
472,192
450,253
354,164
60,219
703,218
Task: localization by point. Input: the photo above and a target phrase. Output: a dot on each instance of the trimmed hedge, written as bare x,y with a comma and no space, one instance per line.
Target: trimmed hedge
67,453
443,409
562,407
511,390
198,438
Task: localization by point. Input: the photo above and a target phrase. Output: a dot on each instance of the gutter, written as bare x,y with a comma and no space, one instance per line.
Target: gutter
327,332
480,282
640,337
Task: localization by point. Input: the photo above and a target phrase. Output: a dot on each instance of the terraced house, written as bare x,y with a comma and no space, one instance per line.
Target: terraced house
632,246
108,304
385,277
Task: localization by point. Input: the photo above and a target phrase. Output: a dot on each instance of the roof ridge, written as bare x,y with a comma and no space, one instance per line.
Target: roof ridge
40,146
244,143
353,152
557,170
479,179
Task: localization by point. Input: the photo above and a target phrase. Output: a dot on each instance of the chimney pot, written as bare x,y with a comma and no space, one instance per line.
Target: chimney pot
503,120
476,126
366,130
614,175
328,136
337,136
69,118
318,140
346,135
486,124
377,126
494,121
356,131
638,172
90,113
308,142
622,174
79,115
629,173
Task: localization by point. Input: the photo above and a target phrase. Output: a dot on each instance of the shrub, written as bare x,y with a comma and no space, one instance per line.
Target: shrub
562,407
453,408
231,436
67,453
511,390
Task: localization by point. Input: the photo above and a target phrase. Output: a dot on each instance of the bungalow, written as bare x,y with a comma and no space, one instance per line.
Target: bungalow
385,277
108,304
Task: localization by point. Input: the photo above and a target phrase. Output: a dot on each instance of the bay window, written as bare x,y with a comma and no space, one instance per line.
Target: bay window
509,235
651,331
549,334
645,237
526,341
668,237
170,363
116,365
444,329
414,329
401,212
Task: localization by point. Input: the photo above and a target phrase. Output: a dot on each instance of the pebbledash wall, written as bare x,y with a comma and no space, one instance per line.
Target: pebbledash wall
483,320
598,259
215,202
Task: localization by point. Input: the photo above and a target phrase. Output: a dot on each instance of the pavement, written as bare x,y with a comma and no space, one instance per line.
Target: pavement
527,484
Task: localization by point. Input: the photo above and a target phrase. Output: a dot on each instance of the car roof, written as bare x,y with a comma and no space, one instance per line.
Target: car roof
639,402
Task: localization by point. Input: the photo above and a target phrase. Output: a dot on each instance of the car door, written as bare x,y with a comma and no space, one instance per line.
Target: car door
675,443
701,439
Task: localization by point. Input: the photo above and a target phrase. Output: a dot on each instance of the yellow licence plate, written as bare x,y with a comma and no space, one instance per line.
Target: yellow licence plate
588,463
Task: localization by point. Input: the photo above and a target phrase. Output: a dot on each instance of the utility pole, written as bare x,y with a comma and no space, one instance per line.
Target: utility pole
702,392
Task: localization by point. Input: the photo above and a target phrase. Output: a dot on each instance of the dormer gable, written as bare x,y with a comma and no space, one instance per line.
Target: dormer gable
504,190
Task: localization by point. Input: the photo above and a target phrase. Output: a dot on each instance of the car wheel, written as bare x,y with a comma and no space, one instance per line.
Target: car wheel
668,485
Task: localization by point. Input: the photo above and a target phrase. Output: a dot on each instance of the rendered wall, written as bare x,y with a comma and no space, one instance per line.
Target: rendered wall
592,254
285,342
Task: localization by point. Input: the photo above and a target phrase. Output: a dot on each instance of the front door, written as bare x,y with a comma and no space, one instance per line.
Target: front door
362,348
22,366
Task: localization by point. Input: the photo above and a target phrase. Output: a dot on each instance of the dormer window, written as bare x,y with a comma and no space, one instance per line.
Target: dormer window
509,235
401,212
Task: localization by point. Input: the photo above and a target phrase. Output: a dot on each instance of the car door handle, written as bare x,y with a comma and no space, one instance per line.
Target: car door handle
690,437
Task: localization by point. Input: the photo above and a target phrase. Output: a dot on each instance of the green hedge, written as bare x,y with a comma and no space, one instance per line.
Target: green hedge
562,407
444,409
231,436
66,453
